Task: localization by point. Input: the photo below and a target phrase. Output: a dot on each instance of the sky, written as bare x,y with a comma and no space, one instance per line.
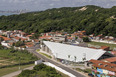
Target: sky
38,5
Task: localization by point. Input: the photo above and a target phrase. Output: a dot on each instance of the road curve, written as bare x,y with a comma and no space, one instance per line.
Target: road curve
33,50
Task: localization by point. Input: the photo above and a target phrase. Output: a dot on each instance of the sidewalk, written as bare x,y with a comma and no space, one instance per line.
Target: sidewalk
17,72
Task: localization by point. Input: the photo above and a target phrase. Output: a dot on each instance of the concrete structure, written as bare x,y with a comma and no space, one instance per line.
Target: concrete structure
59,69
72,53
38,62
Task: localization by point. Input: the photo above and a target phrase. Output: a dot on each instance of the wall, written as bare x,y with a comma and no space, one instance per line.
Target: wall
59,69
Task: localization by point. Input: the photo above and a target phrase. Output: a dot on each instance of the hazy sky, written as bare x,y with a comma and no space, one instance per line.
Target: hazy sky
35,5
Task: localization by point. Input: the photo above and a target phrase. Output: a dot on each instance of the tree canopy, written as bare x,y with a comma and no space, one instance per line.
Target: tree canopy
40,70
86,39
93,19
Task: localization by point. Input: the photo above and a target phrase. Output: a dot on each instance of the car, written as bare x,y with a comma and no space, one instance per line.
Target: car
90,75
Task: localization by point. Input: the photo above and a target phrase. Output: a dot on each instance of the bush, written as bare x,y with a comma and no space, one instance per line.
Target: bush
40,70
86,39
39,67
26,73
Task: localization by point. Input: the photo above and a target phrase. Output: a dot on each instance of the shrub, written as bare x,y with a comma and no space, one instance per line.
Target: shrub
27,73
39,67
86,39
40,70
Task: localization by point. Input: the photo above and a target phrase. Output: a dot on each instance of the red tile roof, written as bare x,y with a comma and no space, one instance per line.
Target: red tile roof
23,33
11,44
104,65
29,35
83,31
36,40
112,59
104,47
45,37
22,39
69,38
29,45
5,38
99,35
93,47
32,33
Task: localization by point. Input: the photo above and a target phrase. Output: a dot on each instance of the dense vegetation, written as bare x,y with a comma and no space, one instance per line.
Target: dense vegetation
40,70
9,57
94,19
86,39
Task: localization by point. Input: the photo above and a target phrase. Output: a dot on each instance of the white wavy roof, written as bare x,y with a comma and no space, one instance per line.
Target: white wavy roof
63,50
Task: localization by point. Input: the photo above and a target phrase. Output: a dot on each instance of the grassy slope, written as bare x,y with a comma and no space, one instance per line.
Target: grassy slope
13,58
5,71
69,19
8,58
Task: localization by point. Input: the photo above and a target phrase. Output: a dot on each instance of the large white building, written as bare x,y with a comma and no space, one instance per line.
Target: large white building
73,53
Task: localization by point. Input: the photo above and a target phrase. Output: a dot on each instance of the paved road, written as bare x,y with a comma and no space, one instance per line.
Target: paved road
17,72
33,50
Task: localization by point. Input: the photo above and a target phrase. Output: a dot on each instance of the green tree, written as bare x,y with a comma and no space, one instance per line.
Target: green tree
35,36
1,39
19,43
27,73
39,67
86,39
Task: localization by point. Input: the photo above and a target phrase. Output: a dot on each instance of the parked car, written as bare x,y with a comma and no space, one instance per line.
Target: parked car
90,75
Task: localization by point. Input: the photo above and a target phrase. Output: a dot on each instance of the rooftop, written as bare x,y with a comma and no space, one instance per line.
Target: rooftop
5,38
104,65
63,50
112,59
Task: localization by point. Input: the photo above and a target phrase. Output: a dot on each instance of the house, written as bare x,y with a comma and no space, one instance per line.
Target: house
3,43
28,37
23,34
19,38
98,37
106,48
103,69
110,60
58,39
36,40
45,37
5,38
29,44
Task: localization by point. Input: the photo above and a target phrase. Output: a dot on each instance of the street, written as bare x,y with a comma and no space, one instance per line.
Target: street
33,50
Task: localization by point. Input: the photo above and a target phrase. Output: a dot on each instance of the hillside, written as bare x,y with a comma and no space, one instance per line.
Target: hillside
91,18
